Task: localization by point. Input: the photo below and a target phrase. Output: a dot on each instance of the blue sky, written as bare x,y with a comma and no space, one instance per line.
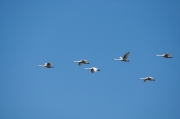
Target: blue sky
35,32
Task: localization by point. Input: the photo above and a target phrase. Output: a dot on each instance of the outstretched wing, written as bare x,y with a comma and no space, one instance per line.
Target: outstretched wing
48,64
92,70
167,55
126,55
84,61
145,80
79,63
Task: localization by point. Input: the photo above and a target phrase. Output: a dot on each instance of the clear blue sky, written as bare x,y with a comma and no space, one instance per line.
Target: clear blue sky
37,31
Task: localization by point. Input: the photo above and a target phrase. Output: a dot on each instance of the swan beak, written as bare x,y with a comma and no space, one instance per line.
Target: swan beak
98,70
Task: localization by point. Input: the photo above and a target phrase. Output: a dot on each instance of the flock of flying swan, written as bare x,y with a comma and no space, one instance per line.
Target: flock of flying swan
124,58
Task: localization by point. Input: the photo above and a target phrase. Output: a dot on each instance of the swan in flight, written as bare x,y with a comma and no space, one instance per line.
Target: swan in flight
124,58
82,62
147,78
47,65
93,69
168,55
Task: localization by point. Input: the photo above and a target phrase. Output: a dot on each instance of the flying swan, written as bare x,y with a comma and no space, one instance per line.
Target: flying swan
168,55
147,78
93,69
47,65
124,58
82,62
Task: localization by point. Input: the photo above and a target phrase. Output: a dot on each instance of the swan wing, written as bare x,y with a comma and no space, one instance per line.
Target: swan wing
79,63
92,70
167,55
48,64
145,80
126,55
84,61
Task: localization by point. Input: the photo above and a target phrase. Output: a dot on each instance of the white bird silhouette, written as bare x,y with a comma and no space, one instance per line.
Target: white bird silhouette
147,78
93,69
167,55
47,65
124,58
82,62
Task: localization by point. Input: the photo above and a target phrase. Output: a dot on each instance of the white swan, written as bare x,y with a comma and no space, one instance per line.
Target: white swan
124,58
168,55
147,78
47,65
82,62
93,69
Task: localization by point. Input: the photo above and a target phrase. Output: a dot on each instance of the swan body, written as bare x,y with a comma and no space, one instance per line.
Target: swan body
47,65
147,78
124,58
168,55
93,69
82,62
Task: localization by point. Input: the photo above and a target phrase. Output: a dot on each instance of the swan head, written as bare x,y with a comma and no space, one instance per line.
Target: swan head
98,70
